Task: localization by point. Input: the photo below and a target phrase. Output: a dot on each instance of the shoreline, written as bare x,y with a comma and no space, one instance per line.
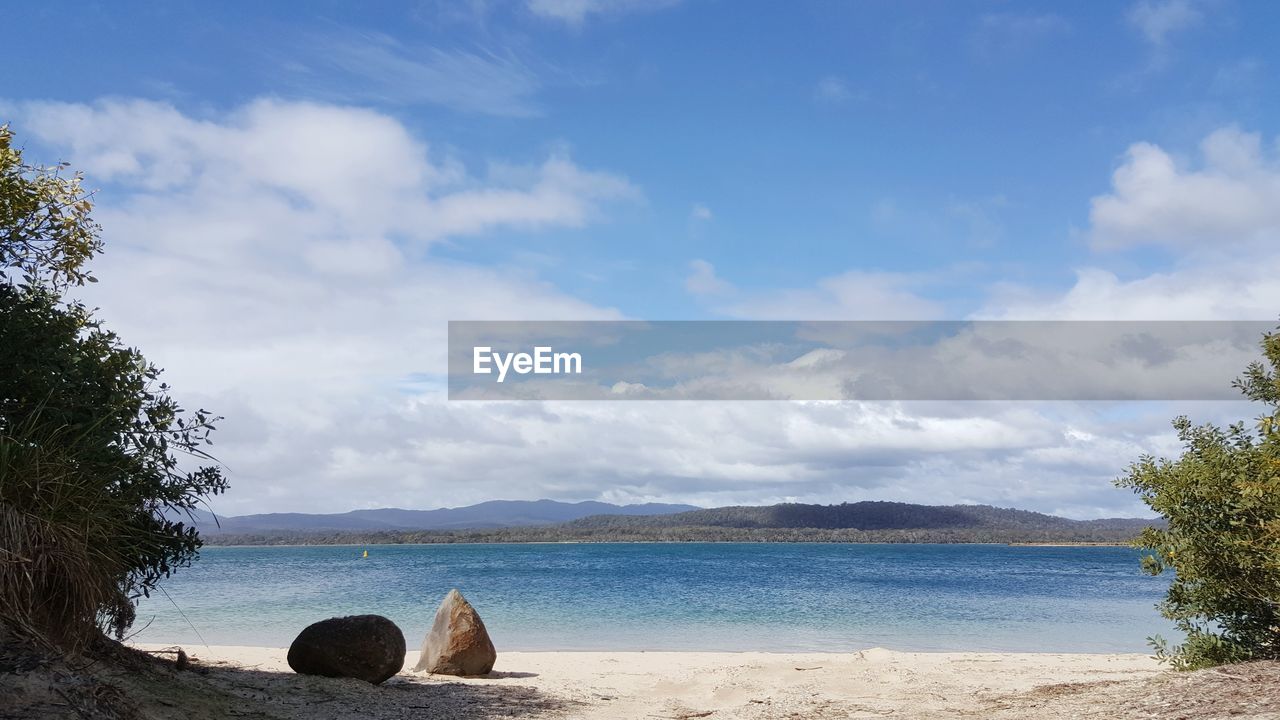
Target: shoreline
208,545
218,648
235,653
688,684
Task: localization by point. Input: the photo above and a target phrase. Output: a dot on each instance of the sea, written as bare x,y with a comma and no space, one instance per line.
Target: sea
678,596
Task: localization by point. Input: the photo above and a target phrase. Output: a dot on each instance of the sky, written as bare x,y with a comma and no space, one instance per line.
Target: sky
296,199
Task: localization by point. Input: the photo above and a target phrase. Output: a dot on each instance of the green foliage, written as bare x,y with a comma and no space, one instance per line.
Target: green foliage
94,453
46,234
1222,503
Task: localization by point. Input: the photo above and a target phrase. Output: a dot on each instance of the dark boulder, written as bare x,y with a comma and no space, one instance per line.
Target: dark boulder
365,647
458,643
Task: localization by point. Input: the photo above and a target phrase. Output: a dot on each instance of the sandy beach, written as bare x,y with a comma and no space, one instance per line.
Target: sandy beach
683,685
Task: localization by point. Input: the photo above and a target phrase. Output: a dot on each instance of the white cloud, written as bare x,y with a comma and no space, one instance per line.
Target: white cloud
703,280
1231,291
726,453
853,295
1232,199
375,67
576,12
279,263
700,213
1220,221
347,171
1223,270
833,90
1157,20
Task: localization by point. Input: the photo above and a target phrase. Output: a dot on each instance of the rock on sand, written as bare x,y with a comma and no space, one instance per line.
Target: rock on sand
457,643
366,647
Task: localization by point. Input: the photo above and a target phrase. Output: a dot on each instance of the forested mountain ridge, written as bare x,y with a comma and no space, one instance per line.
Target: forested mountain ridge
490,514
870,521
867,515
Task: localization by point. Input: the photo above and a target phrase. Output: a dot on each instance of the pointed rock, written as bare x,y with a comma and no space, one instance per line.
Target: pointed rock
457,643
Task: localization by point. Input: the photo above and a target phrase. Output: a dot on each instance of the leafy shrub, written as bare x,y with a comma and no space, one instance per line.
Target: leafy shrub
97,461
1222,503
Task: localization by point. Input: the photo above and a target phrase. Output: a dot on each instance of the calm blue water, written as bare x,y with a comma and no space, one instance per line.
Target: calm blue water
681,596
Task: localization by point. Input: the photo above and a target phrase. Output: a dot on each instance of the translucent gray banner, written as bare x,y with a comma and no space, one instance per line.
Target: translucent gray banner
856,360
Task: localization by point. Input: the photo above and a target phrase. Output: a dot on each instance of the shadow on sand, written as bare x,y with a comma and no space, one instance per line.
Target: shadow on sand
510,675
130,686
244,693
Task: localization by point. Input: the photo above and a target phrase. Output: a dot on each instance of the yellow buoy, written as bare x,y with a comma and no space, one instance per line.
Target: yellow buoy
366,553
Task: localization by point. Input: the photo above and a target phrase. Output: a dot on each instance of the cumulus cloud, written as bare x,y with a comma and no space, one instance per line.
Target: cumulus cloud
281,263
347,171
1232,198
1219,219
277,262
1217,291
711,453
1215,217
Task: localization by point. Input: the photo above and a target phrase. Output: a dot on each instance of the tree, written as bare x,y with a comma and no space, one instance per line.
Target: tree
1222,502
98,463
46,233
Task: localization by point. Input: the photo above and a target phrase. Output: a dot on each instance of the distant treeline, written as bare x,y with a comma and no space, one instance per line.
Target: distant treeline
863,522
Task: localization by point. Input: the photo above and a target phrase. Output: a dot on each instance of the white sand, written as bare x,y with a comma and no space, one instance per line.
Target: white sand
871,683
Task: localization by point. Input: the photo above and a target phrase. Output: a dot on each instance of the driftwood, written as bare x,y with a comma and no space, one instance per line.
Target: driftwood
181,660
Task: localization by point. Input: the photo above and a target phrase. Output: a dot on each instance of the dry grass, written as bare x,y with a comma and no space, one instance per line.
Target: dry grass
1248,690
59,572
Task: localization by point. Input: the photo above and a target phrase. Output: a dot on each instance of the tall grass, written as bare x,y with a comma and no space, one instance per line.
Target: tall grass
63,575
90,440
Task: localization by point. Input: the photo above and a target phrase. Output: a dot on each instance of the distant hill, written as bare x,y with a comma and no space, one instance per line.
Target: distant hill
868,515
790,522
492,514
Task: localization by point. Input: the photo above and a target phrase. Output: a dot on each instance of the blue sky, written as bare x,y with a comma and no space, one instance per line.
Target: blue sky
956,137
356,176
